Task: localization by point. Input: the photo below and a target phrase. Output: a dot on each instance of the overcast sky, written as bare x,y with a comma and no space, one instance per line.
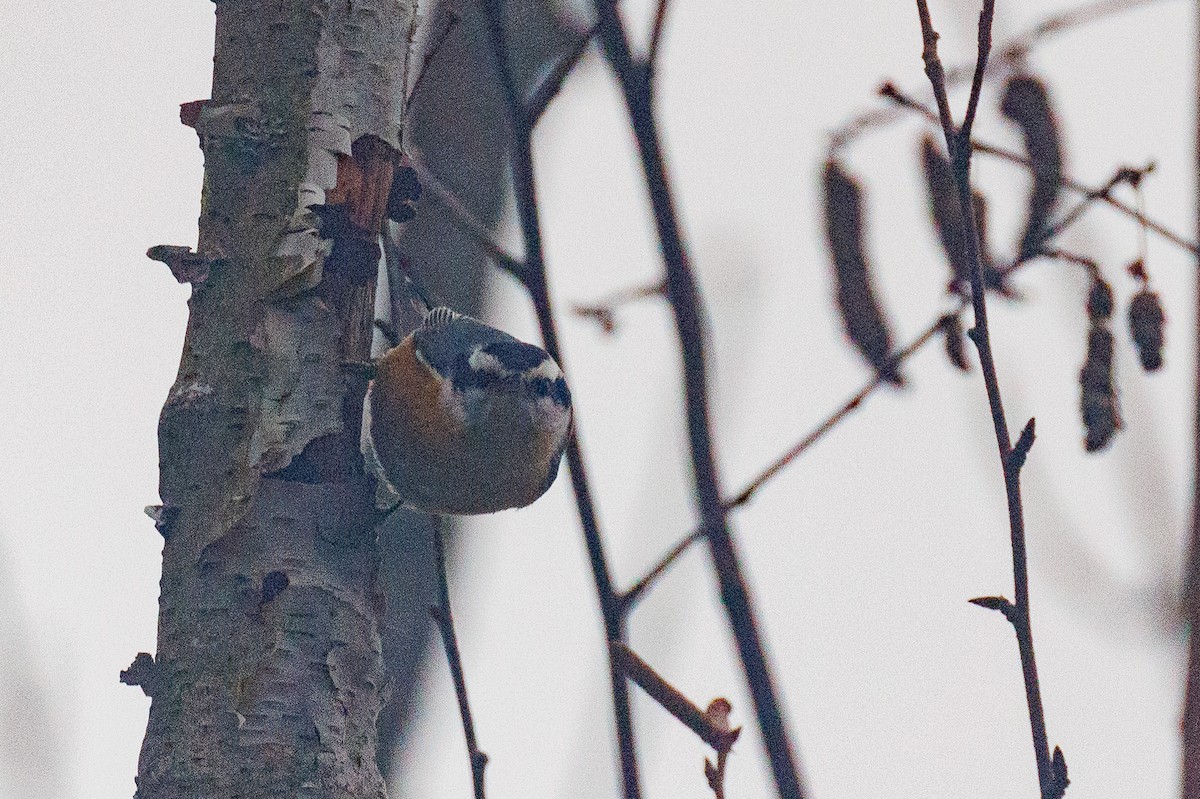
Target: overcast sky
862,555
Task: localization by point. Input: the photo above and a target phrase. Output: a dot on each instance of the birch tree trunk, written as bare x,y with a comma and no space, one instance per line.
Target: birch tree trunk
268,678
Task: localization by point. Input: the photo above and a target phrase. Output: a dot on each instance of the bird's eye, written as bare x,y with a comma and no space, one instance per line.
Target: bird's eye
560,393
467,377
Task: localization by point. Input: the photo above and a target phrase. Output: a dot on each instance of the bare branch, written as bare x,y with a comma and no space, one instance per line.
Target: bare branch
442,614
604,310
1020,617
1013,51
534,278
453,20
827,425
1102,193
685,303
937,76
670,698
467,221
656,34
540,98
984,47
1190,726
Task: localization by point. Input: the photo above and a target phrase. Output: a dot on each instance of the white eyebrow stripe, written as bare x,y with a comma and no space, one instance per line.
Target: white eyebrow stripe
547,369
487,363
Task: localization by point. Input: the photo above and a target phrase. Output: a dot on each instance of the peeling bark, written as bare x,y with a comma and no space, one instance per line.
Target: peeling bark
268,675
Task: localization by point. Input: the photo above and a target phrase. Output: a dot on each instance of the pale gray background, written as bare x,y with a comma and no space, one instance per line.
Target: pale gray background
862,555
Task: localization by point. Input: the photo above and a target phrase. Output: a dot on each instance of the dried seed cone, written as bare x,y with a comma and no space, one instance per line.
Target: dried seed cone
1098,395
1146,320
1027,103
861,313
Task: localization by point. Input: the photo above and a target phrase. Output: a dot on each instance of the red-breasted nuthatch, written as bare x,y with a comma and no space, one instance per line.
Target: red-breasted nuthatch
467,419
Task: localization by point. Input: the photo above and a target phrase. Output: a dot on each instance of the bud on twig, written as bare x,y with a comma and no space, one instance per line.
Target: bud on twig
711,726
1020,450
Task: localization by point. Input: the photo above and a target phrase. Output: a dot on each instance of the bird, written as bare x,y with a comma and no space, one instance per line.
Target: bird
466,419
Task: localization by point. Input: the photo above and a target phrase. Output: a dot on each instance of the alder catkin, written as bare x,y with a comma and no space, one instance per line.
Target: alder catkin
1027,104
1098,394
861,312
1100,300
1146,319
948,221
956,349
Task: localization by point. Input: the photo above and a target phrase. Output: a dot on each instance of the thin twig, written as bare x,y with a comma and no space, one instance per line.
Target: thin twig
1059,254
467,221
984,48
1020,45
671,699
716,775
830,421
1103,193
682,294
436,48
1049,781
656,34
539,99
534,278
442,614
634,593
935,73
827,425
603,311
1015,50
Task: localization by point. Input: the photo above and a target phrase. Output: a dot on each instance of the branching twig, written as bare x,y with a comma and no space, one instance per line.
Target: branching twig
445,621
830,421
631,596
836,417
604,310
466,221
539,99
682,294
710,725
1102,193
1052,783
656,34
1014,51
535,279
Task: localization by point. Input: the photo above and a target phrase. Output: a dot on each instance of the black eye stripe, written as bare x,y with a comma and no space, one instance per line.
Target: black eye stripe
516,356
560,393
